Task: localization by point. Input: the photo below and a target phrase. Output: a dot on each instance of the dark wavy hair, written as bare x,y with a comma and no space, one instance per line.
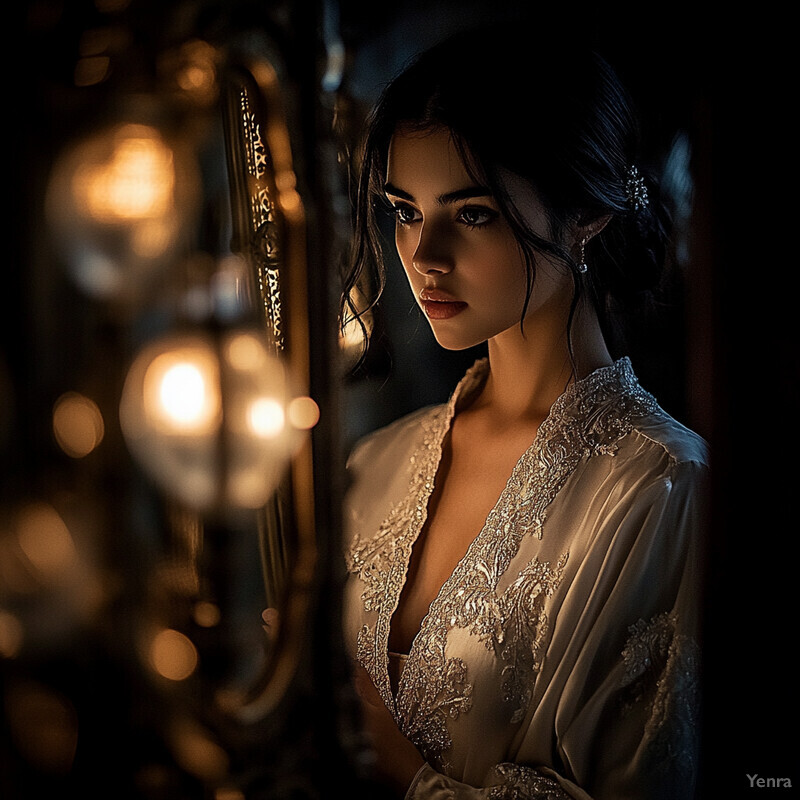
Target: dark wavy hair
552,112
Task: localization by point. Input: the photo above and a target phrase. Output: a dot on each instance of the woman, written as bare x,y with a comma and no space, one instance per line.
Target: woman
523,594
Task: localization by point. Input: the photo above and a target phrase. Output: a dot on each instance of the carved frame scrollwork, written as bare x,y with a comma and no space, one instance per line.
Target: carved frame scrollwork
268,231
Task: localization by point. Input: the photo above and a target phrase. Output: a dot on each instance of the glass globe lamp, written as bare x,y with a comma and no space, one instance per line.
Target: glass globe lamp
212,417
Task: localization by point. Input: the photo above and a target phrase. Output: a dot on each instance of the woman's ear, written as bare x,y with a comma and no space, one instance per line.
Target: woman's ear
587,228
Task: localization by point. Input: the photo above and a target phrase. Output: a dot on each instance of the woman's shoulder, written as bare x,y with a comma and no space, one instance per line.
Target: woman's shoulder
385,465
680,443
613,412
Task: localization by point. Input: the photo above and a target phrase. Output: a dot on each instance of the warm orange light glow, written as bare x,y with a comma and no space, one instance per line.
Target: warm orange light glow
44,726
288,196
152,237
137,182
228,793
247,489
77,424
11,635
207,614
91,70
193,78
181,391
119,199
46,541
245,352
173,655
197,753
198,74
303,413
266,417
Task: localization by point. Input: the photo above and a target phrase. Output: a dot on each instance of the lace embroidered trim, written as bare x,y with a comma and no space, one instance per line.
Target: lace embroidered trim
382,561
523,783
661,669
589,418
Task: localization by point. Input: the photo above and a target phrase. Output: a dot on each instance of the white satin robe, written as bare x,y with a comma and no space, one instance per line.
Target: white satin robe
560,659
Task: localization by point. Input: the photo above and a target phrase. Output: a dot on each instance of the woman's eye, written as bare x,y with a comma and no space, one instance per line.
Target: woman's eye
476,217
405,215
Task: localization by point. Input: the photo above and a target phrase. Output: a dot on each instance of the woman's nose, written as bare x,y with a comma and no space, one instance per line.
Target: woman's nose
433,252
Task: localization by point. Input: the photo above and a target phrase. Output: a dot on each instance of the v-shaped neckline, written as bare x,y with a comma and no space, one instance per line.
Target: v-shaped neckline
574,427
469,385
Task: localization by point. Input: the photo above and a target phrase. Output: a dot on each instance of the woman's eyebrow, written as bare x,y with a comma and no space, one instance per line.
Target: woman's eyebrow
390,188
466,193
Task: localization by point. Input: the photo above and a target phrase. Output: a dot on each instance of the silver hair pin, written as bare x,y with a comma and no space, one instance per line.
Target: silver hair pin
635,189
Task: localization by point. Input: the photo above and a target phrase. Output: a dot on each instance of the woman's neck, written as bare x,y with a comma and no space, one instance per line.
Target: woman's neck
531,368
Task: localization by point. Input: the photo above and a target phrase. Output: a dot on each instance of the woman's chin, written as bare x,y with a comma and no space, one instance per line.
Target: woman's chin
455,343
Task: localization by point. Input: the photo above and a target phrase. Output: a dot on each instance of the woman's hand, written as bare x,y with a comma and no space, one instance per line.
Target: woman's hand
397,759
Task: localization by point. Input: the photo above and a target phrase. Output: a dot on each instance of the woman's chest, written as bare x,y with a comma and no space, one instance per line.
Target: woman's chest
468,487
481,644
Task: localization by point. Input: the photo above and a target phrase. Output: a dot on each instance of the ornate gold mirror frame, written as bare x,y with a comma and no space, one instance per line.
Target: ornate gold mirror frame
269,232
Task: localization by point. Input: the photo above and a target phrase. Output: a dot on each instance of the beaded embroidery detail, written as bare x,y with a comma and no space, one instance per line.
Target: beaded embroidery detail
661,669
381,562
523,783
520,630
589,418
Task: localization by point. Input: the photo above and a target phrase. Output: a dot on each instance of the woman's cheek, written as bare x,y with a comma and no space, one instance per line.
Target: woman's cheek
404,243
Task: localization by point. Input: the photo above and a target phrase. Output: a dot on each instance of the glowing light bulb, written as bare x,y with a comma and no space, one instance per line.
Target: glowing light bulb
136,182
181,391
117,203
210,419
266,417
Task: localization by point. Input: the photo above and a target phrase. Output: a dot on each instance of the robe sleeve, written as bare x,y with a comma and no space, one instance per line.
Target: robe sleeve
626,725
515,783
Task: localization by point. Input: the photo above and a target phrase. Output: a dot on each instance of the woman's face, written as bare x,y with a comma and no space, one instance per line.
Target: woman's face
462,260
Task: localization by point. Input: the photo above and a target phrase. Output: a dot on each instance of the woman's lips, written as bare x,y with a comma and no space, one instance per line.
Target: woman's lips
440,305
